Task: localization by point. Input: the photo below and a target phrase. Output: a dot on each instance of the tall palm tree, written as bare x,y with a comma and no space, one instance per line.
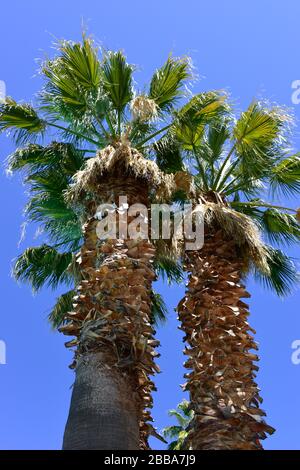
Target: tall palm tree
106,131
178,433
236,166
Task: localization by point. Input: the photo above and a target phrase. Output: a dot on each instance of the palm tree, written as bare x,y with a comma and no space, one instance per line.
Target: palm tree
236,166
179,433
106,131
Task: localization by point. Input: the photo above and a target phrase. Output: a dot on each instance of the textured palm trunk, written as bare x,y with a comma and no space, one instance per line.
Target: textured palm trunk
111,400
223,392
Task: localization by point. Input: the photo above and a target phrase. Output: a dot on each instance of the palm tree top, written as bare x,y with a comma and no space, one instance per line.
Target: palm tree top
240,167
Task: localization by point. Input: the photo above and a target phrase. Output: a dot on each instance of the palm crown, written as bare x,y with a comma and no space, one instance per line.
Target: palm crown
239,167
90,102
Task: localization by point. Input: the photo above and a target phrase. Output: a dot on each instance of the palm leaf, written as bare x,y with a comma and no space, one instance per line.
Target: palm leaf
72,82
117,77
282,276
259,136
159,309
35,157
43,266
285,176
169,268
63,305
166,83
196,114
22,119
168,155
280,226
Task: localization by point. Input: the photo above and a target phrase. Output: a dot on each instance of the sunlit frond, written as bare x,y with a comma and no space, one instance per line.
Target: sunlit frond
167,82
73,80
117,79
21,119
196,114
260,135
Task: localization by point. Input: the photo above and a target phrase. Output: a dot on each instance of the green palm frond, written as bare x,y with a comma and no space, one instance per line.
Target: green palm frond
171,432
43,266
196,114
259,136
81,60
280,226
48,207
63,305
285,176
217,135
21,119
159,310
283,275
73,81
167,82
34,157
117,79
168,155
183,415
168,268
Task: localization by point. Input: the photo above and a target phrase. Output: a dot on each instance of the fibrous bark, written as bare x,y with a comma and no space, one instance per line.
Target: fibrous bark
223,392
114,341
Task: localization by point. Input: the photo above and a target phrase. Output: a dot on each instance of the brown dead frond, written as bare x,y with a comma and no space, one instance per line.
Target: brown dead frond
240,228
113,158
144,108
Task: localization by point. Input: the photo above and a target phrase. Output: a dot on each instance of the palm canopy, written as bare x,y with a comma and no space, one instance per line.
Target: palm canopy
240,167
90,102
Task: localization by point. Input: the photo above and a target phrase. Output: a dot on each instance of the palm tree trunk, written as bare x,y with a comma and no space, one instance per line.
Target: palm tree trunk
114,337
102,414
223,392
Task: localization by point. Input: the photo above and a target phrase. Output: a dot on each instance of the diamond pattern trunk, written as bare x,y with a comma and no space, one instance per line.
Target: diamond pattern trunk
223,392
112,322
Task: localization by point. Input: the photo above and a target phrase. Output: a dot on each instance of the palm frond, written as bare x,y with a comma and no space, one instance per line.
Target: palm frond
196,114
43,266
169,268
218,134
167,82
285,176
179,433
117,79
73,80
159,310
63,305
21,119
282,276
260,134
34,157
171,432
47,206
168,155
280,227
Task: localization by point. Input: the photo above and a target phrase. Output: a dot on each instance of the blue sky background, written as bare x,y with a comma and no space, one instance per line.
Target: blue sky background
249,48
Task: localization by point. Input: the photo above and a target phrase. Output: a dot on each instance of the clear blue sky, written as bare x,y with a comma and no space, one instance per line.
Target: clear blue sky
249,48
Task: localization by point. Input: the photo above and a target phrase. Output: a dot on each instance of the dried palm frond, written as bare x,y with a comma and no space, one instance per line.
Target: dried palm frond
144,108
239,227
110,159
